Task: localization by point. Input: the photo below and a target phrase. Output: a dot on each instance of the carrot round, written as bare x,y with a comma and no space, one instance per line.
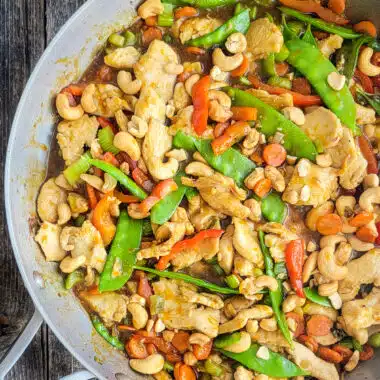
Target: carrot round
150,34
329,224
242,69
185,12
330,355
181,341
366,234
136,349
274,154
151,21
366,27
202,352
262,188
337,6
319,325
361,219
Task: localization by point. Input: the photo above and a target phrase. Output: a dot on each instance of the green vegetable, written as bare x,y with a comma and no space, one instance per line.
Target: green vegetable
166,18
231,163
119,176
373,100
104,333
308,36
265,3
374,340
309,60
123,249
116,40
213,369
232,281
239,23
73,172
295,140
238,8
165,208
320,24
347,342
202,3
280,270
276,366
269,65
245,81
227,339
191,192
218,269
189,279
167,38
73,278
296,27
168,367
105,136
147,228
356,345
282,54
79,221
273,208
375,44
280,82
269,17
130,38
156,304
253,13
312,295
275,296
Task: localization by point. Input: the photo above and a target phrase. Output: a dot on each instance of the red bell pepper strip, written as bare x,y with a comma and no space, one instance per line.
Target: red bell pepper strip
187,244
102,220
200,102
367,151
377,241
365,81
298,99
294,255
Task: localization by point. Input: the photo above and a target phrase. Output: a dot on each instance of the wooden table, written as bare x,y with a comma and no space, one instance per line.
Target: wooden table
26,27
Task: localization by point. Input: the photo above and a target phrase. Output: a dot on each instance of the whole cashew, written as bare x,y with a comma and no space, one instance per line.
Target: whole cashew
266,281
345,205
70,264
226,63
64,213
328,289
365,65
242,345
269,324
369,198
328,266
198,169
110,183
190,82
152,364
137,127
331,241
127,143
218,113
139,315
359,245
65,110
291,302
277,179
127,85
150,8
236,43
87,100
222,98
199,338
93,180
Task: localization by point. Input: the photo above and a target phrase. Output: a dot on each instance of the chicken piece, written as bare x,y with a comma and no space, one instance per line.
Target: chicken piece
242,373
275,101
329,45
48,239
86,241
323,126
243,267
122,58
246,243
310,184
167,235
180,216
74,135
226,250
275,340
222,194
364,270
202,216
49,197
211,300
365,115
235,304
359,315
263,37
195,27
111,307
150,106
311,363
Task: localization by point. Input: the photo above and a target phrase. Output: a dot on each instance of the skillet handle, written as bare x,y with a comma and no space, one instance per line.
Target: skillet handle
20,344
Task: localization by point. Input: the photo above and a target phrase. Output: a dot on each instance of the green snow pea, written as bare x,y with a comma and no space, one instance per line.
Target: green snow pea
308,36
371,99
313,296
165,208
269,65
202,3
104,333
274,208
275,296
276,366
231,163
239,23
309,60
124,246
320,24
295,140
227,339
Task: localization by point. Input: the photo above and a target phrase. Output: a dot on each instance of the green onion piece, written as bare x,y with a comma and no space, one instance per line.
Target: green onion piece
282,54
227,339
73,172
105,136
253,13
130,38
232,281
280,82
73,278
156,304
116,40
245,81
213,369
79,221
356,345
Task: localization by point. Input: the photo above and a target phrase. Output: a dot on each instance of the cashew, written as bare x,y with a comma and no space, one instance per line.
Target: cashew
174,68
328,289
217,85
255,208
310,266
218,113
343,253
358,245
365,65
371,180
110,183
189,359
152,364
61,181
336,301
252,285
263,353
198,157
139,315
250,142
134,211
268,324
328,266
177,154
254,177
121,120
181,99
137,127
252,327
93,180
236,43
199,338
226,63
87,99
331,241
95,149
277,179
150,8
217,74
126,84
198,169
242,345
294,114
127,143
315,309
64,213
291,302
314,214
354,359
70,264
324,160
222,98
190,82
67,111
336,81
369,198
345,205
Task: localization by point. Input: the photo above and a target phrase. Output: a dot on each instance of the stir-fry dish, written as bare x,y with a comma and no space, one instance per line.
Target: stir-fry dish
214,198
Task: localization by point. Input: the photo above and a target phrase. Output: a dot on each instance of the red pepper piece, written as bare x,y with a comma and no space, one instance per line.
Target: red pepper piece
294,255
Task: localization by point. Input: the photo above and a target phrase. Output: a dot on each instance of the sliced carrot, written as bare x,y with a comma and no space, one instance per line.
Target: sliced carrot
367,151
367,353
219,129
337,6
111,159
366,27
181,341
366,234
299,321
309,342
282,68
344,351
202,352
151,348
185,12
244,113
319,325
329,224
183,372
274,154
91,194
330,355
262,188
151,21
136,349
150,34
361,219
195,50
301,85
242,69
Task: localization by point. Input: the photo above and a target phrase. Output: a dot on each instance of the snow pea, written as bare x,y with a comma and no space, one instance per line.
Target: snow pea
372,100
295,140
104,333
308,36
276,365
313,296
309,60
201,3
231,163
269,65
274,208
239,23
275,296
227,339
320,24
124,246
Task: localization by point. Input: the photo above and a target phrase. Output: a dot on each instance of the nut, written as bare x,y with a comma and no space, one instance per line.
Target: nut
328,289
310,266
190,82
324,160
125,142
277,179
236,43
336,81
226,63
152,364
65,110
64,213
294,114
